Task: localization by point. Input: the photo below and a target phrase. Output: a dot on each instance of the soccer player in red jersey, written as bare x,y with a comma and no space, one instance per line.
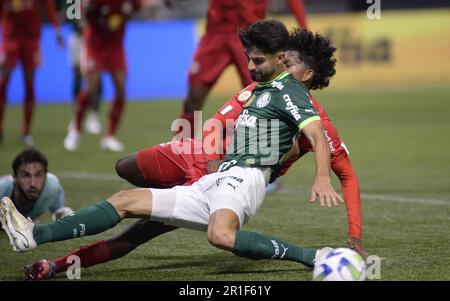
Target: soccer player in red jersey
220,47
103,51
160,167
21,32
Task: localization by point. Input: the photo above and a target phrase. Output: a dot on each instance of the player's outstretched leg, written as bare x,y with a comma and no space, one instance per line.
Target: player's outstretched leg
24,235
224,233
99,252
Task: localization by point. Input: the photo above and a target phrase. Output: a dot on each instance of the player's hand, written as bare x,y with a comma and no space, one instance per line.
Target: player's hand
326,193
357,245
213,165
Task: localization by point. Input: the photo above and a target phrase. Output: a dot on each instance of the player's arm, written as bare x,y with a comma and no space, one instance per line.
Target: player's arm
298,10
322,186
343,169
51,13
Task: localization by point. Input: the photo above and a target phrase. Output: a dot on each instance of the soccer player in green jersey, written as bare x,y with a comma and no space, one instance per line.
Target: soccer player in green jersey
219,203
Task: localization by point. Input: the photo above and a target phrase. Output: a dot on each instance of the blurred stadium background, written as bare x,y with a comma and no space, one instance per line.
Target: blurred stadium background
390,101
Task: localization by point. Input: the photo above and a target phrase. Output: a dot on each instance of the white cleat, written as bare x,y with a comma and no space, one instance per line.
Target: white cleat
18,228
320,254
110,143
72,140
93,124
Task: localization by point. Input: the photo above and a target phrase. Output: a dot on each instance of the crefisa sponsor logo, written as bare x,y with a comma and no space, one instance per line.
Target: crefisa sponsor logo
293,109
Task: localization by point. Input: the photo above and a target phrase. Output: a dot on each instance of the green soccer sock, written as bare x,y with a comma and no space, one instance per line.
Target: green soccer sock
258,246
88,221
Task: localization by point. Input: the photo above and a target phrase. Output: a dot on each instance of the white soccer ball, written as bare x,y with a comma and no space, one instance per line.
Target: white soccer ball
341,264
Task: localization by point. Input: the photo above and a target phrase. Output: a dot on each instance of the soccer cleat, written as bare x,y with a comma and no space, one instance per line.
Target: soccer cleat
110,143
321,253
72,140
41,270
93,125
27,140
18,228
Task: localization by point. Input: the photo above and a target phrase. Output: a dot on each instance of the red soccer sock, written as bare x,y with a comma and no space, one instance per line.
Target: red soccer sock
89,255
83,101
28,110
115,115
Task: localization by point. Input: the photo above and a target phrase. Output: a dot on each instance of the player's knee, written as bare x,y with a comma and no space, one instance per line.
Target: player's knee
221,238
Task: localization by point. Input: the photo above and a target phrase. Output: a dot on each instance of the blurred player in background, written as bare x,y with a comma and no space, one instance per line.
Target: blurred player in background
32,189
21,32
93,124
220,47
310,58
103,50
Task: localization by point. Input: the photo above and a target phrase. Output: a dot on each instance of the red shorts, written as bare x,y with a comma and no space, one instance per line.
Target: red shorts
110,59
24,50
166,167
337,147
214,53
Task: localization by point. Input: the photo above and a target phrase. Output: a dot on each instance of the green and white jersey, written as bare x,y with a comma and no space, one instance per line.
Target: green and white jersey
269,122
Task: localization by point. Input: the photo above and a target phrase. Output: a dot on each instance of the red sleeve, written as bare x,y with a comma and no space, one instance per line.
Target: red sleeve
226,115
350,189
51,12
298,10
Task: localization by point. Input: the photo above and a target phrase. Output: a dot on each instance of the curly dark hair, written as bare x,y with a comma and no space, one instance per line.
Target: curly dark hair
29,155
269,36
317,52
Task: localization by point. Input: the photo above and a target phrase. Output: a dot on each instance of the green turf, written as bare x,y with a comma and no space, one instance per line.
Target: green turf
399,146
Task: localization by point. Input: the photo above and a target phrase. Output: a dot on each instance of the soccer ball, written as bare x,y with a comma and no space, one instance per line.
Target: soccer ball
342,264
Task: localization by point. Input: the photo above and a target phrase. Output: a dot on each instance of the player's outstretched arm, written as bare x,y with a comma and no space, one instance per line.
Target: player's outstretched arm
322,187
350,189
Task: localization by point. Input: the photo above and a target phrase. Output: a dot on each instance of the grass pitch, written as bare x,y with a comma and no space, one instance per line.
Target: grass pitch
399,146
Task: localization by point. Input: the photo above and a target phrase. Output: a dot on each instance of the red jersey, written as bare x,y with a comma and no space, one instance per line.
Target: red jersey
21,19
227,16
106,20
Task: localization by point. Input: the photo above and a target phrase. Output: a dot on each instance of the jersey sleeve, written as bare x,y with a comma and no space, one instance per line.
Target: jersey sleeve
6,185
296,108
225,118
223,121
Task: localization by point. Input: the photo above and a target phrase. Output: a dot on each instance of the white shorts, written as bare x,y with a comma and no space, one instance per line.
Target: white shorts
239,189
